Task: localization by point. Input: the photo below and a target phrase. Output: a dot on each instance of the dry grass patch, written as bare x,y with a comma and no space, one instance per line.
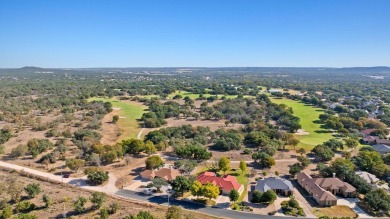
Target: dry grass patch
335,211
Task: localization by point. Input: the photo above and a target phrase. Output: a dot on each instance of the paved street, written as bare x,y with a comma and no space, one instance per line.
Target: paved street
162,200
110,189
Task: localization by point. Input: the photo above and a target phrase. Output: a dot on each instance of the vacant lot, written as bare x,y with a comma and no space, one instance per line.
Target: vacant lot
308,115
335,211
129,112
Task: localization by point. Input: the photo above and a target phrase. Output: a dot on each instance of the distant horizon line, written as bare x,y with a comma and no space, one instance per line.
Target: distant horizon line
192,67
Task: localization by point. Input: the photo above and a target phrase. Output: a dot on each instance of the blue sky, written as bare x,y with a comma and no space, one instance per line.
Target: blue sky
209,33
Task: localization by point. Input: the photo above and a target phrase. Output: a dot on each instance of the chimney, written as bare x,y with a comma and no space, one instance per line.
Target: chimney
334,175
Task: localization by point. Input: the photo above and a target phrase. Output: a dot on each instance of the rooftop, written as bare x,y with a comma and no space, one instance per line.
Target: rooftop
273,183
370,178
225,183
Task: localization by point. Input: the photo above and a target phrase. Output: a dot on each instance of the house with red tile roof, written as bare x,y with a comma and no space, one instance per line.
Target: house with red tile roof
225,183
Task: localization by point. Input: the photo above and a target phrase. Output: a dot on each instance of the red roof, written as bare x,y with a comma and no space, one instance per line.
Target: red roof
367,131
225,183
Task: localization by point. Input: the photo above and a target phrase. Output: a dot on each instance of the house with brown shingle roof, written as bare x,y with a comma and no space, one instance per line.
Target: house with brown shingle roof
168,174
225,183
324,190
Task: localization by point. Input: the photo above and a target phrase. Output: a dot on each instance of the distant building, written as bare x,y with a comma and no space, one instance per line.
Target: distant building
226,183
278,185
324,190
382,148
168,174
367,132
382,141
368,177
369,140
373,180
274,91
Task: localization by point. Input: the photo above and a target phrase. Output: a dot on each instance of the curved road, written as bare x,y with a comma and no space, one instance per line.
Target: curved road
110,189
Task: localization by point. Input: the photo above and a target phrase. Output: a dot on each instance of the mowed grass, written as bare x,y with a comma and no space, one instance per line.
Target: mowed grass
129,114
308,115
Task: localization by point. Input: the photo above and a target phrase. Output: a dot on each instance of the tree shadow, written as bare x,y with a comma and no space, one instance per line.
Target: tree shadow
60,173
136,171
323,131
317,121
78,182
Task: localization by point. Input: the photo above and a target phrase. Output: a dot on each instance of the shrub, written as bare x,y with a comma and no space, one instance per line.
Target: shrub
19,151
97,199
291,207
79,204
153,162
104,213
26,216
32,189
38,146
256,196
6,212
174,212
97,177
47,200
113,208
247,151
24,206
75,164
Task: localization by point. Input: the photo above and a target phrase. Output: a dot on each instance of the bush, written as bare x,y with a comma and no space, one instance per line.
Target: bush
97,199
153,162
378,200
104,213
113,208
269,196
174,212
256,196
47,200
19,151
291,207
32,189
247,151
6,212
2,149
97,177
79,204
26,216
51,158
75,164
141,215
38,146
24,206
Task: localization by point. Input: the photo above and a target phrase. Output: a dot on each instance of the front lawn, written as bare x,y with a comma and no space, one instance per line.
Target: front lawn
242,178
